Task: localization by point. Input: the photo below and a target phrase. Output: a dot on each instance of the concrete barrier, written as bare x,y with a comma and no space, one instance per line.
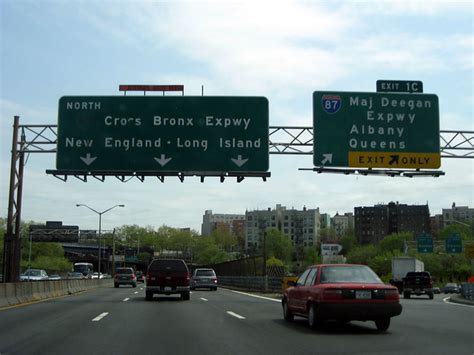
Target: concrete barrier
10,294
13,293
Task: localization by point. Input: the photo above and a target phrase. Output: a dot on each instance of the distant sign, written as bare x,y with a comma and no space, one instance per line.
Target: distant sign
172,134
330,249
54,232
376,130
399,86
469,251
424,244
454,244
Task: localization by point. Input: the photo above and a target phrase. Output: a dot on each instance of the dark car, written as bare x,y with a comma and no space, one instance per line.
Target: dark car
140,276
125,276
204,278
341,292
451,287
167,277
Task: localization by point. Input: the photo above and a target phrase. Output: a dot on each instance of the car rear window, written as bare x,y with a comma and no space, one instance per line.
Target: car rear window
168,265
205,273
124,271
356,274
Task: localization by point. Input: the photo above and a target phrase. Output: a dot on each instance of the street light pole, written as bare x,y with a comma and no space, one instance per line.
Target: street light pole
100,227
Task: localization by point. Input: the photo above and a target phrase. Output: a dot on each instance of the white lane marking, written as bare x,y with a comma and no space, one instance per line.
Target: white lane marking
135,292
100,316
257,296
141,288
126,299
447,300
204,299
235,315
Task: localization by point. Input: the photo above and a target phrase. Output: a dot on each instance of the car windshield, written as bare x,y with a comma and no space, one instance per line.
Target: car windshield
356,274
205,273
33,273
124,271
168,265
451,285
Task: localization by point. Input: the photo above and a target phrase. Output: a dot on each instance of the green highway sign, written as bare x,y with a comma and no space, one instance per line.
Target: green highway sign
376,130
454,244
155,133
424,244
399,86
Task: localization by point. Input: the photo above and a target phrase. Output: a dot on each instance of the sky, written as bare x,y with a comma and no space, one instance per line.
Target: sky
282,50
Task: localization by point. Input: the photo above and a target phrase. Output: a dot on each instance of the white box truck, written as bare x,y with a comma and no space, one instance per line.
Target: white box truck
401,265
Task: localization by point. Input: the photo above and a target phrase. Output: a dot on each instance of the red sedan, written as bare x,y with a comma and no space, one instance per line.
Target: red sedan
341,292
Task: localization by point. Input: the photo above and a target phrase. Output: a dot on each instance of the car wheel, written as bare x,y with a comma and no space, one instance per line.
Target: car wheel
185,296
431,295
116,285
382,324
313,320
192,288
214,289
134,285
287,315
406,294
148,296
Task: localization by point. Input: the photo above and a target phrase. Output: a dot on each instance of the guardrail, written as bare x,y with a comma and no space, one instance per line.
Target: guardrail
253,283
13,293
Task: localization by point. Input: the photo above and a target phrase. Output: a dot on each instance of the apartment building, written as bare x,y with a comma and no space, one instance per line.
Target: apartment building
234,222
300,226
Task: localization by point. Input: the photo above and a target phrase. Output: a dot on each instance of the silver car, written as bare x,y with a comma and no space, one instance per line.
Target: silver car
204,278
34,275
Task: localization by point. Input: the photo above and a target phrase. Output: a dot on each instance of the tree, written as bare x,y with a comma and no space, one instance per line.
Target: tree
348,243
395,242
464,231
224,238
278,245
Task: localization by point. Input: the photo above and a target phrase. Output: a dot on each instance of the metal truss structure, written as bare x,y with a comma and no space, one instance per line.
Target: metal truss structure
42,138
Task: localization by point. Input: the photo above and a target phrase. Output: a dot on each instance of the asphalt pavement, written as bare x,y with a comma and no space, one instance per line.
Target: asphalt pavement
120,321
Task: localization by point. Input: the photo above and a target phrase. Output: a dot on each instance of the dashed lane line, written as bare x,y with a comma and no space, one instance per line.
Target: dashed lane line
100,316
235,315
204,299
126,299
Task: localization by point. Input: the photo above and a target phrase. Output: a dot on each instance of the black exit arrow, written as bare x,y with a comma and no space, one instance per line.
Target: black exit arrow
395,159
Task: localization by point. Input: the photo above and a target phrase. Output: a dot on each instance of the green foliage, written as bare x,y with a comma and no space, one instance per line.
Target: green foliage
395,242
465,232
207,252
275,262
348,243
311,257
50,263
278,245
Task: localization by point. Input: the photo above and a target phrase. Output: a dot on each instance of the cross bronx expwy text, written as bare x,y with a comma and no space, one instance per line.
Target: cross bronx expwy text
207,121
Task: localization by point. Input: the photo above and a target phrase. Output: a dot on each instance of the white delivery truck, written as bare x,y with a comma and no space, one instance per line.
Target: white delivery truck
401,265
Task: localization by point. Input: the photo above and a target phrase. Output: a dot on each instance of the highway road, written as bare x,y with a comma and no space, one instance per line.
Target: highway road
120,321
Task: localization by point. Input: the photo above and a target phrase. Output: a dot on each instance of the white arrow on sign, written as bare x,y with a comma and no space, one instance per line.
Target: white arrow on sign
239,161
327,158
88,160
163,160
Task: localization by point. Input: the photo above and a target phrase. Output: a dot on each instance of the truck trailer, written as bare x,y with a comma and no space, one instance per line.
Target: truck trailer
402,265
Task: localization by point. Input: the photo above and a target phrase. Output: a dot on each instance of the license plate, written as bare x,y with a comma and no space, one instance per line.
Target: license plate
363,295
153,278
167,288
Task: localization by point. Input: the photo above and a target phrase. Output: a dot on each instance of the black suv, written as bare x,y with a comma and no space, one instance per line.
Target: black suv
167,276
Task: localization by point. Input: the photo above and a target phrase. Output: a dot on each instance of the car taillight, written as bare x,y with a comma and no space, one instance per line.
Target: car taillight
214,280
332,294
392,295
148,277
187,276
134,277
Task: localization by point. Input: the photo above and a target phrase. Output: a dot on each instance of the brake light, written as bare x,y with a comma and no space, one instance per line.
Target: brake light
147,277
187,276
392,295
134,277
214,280
332,294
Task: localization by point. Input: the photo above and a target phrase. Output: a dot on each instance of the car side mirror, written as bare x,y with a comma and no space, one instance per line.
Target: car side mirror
291,283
